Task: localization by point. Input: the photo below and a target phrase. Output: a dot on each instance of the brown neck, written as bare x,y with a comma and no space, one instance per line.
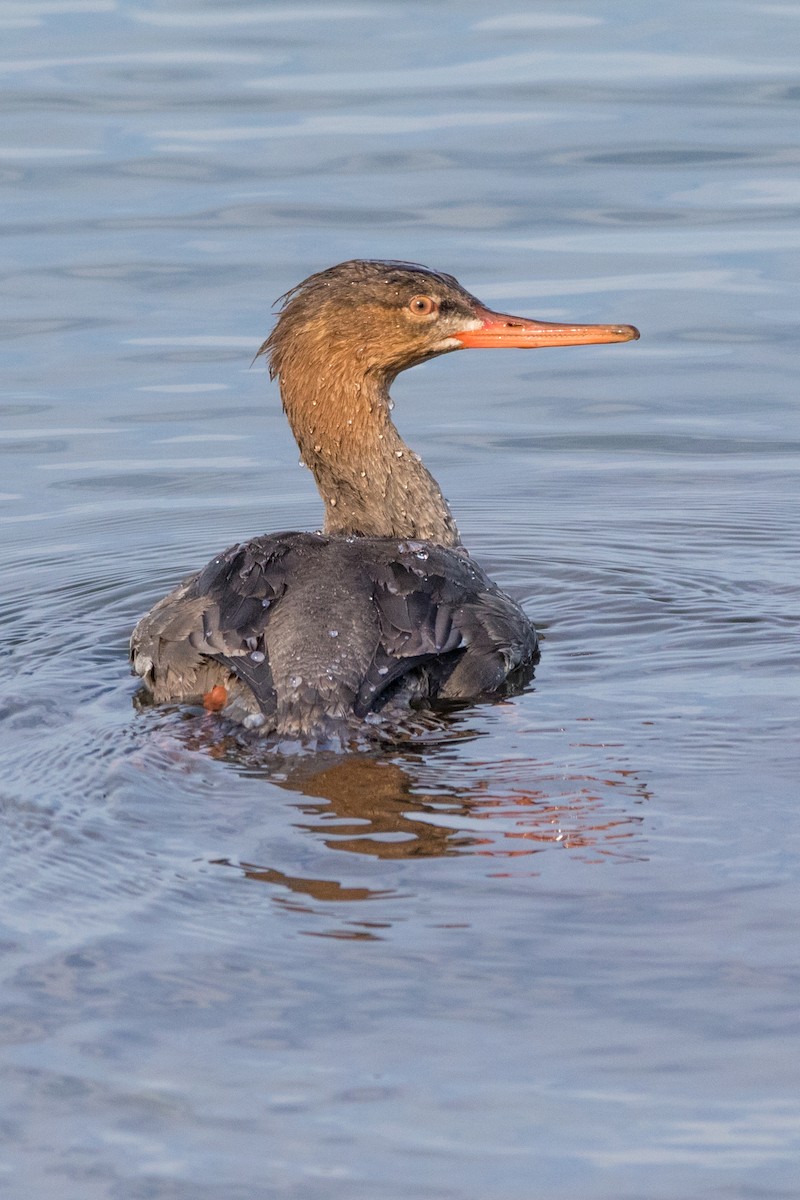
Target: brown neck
371,483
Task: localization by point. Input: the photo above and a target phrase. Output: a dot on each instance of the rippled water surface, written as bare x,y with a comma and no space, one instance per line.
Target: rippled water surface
553,953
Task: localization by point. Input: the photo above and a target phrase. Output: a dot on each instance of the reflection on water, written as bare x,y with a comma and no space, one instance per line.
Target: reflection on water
374,807
403,807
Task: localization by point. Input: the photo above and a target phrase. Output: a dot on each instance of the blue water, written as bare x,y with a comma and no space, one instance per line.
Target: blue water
555,953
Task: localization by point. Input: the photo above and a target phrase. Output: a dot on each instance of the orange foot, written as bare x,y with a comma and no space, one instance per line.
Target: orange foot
216,699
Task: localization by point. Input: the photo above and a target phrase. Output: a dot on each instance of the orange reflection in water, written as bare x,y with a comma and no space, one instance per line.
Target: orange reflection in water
372,806
433,800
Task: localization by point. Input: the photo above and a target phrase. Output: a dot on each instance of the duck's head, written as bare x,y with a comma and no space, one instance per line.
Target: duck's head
386,316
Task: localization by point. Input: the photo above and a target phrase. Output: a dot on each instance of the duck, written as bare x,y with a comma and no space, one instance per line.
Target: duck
382,614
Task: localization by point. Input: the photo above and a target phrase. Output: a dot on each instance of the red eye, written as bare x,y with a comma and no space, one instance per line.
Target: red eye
422,306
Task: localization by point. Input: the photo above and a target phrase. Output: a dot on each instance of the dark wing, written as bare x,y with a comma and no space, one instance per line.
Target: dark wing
500,643
439,611
217,618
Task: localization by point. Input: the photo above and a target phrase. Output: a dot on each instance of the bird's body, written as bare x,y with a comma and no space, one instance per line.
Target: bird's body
310,634
314,636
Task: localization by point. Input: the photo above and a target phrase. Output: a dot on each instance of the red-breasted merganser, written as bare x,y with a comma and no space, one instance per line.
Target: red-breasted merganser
311,635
